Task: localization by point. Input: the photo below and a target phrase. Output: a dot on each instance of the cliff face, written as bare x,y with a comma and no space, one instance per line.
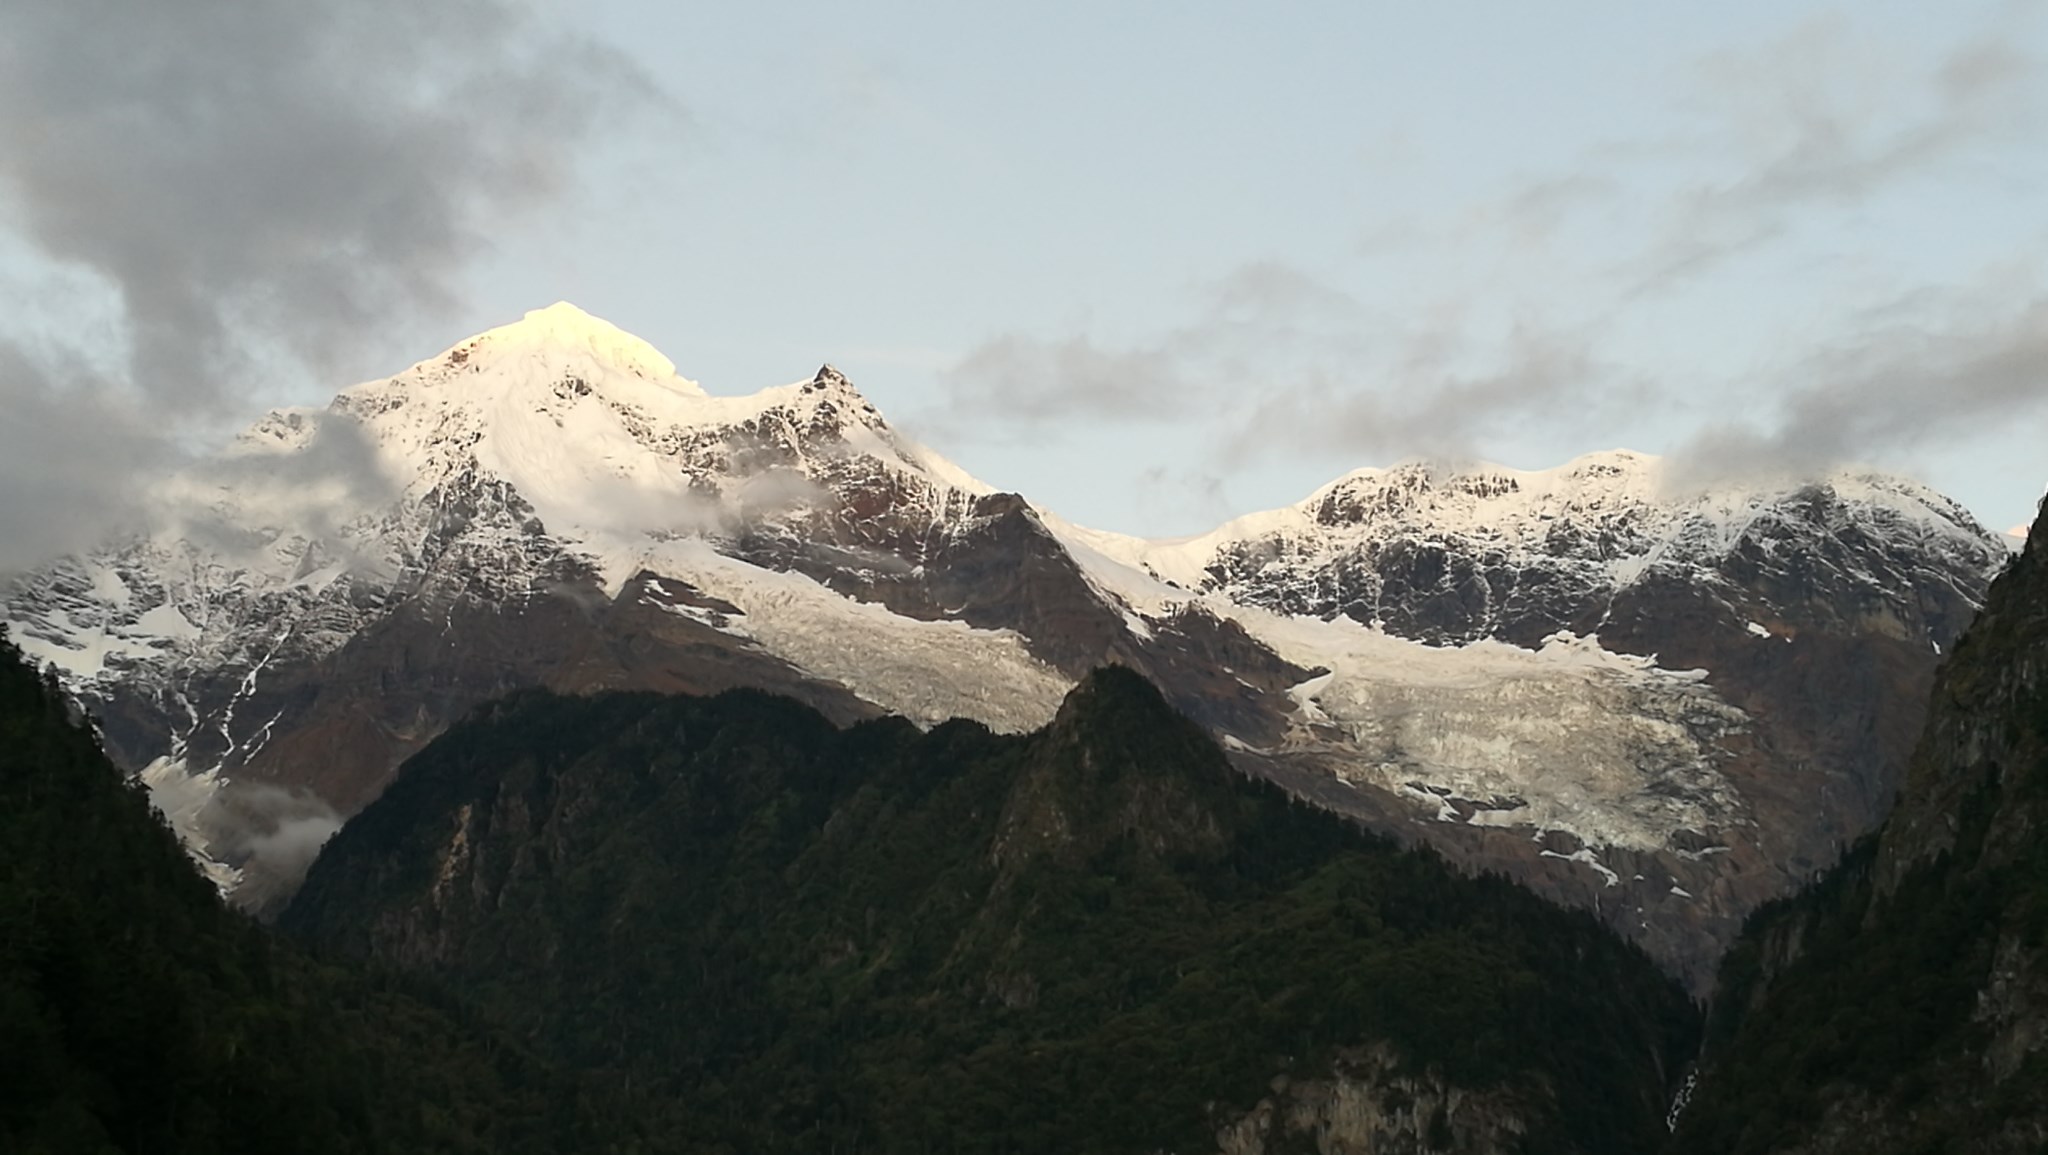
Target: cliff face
1902,1004
1369,1106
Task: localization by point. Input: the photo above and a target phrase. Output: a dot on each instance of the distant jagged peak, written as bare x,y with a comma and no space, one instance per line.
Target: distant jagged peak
1607,473
562,332
1605,482
1608,506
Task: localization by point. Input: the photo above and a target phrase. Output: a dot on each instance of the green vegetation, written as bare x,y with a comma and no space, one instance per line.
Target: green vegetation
1877,1003
139,1015
1095,938
1866,1013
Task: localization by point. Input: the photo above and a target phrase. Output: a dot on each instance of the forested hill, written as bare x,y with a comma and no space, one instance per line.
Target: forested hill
1901,1006
137,1014
1094,938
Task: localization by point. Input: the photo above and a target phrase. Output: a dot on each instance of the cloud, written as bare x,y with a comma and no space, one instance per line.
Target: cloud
1932,370
1277,362
306,469
256,186
1537,316
1020,379
1261,322
1821,120
1165,495
1441,398
70,447
271,834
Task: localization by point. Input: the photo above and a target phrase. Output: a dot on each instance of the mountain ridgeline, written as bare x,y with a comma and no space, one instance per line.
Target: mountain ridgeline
1901,1006
1095,937
1663,706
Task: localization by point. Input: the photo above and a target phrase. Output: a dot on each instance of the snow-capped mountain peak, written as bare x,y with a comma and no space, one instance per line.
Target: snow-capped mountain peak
563,332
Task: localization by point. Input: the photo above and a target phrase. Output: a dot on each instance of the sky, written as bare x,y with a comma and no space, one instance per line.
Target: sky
1152,265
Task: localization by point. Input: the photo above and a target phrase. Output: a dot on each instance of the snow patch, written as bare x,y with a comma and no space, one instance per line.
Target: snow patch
926,671
1586,856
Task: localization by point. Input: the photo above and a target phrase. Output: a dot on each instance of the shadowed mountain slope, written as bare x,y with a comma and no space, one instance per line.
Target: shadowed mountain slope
138,1014
1094,937
1902,1004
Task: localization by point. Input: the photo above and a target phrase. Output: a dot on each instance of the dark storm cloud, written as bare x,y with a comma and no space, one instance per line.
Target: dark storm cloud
257,183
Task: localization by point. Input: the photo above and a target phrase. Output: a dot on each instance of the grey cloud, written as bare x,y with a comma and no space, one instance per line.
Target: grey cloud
303,171
1278,361
1433,402
261,184
1534,212
1273,360
69,453
331,469
1928,373
270,833
1263,321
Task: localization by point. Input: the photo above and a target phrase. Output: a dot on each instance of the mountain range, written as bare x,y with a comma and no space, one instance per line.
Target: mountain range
1666,706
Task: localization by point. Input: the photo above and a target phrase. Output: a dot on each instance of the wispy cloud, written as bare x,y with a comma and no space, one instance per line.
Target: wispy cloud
1823,120
1931,369
1260,323
1277,361
255,185
1515,327
1443,398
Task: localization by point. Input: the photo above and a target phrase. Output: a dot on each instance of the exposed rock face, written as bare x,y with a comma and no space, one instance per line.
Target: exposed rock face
1668,708
1902,1004
1369,1107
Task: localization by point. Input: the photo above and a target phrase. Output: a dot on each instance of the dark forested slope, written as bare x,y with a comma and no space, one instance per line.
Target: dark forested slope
137,1014
1094,938
1902,1004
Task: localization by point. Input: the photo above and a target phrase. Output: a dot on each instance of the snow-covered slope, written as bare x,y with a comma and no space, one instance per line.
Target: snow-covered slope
1666,706
1378,543
553,458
